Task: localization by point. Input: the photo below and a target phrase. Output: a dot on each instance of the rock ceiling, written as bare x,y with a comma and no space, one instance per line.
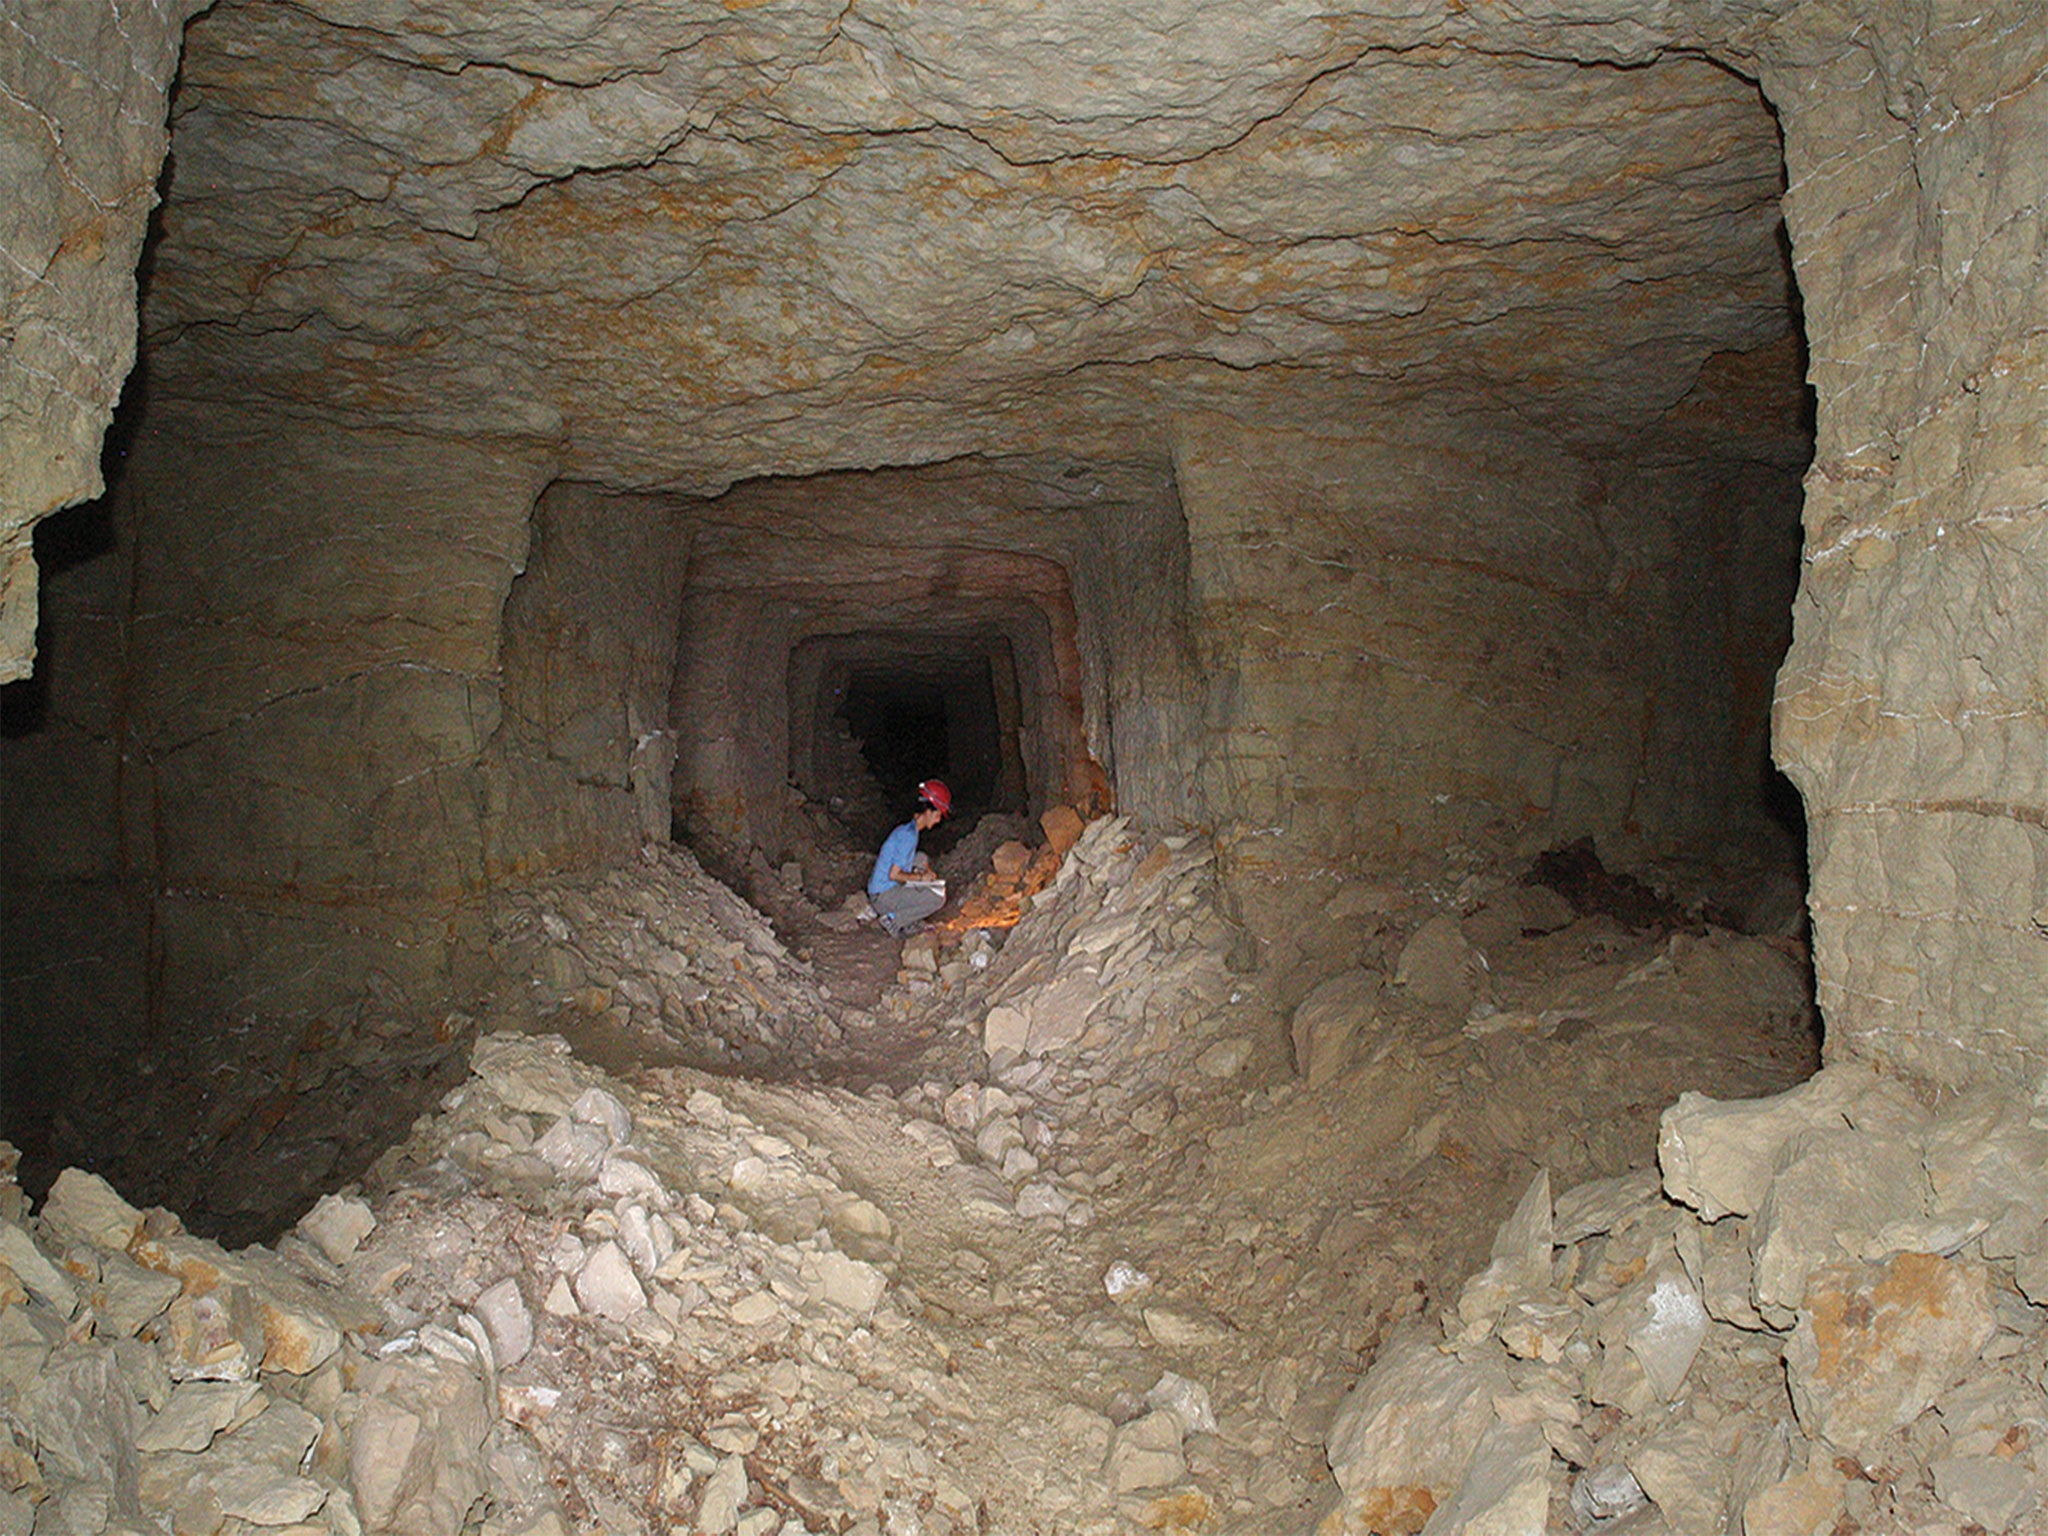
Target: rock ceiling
686,243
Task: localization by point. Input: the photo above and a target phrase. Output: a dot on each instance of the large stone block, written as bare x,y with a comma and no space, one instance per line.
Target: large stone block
1719,1157
1876,1343
1408,1431
1834,1193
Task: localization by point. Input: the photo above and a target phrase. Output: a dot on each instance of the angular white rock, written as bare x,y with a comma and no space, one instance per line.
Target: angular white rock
718,1509
1520,1265
939,1149
707,1108
1684,1477
196,1412
41,1278
962,1109
415,1451
608,1286
1005,1029
1123,1278
254,1472
1834,1194
1188,1400
1146,1453
506,1321
1506,1490
647,1240
533,1073
600,1108
1587,1209
84,1208
128,1297
573,1149
337,1225
1666,1335
621,1173
1416,1418
1719,1157
1043,1199
847,1284
560,1300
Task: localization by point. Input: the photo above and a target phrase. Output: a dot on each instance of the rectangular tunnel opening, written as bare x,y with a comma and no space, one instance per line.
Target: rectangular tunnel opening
873,713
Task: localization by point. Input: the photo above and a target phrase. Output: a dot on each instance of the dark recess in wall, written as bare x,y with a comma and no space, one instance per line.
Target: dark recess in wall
900,721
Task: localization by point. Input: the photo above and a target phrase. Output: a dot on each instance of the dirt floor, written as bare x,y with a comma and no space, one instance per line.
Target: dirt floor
1205,1223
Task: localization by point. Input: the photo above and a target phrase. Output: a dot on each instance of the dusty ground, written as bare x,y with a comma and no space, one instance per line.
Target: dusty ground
743,1228
1281,1228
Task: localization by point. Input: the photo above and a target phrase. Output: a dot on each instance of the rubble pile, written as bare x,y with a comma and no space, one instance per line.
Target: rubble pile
1117,970
1098,1256
1107,1004
565,1307
690,1312
665,958
1830,1316
151,1380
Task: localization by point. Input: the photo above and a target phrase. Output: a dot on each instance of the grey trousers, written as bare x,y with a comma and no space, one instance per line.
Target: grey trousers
905,904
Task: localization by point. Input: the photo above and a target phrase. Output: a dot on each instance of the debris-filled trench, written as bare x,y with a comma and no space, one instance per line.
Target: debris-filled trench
1065,1226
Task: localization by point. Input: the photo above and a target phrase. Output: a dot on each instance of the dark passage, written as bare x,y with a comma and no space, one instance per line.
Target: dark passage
901,725
888,709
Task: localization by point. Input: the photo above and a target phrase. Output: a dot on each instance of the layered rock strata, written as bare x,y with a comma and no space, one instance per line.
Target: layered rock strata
1910,710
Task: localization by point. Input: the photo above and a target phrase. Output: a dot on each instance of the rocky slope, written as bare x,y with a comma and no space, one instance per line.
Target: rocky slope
1091,1252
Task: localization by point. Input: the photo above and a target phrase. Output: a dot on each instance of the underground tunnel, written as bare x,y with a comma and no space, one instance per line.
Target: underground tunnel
1473,576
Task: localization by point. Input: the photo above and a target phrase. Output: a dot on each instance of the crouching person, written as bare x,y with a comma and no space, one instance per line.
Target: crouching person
902,889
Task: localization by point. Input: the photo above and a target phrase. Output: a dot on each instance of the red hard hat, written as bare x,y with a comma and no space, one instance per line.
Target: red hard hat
937,796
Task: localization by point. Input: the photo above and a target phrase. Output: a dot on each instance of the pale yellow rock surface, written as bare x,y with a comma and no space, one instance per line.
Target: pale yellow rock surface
83,95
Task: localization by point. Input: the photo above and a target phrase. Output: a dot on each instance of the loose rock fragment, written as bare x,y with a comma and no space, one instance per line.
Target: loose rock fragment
337,1225
1877,1342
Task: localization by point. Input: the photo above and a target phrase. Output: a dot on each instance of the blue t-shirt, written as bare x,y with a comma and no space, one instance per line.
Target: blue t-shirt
898,849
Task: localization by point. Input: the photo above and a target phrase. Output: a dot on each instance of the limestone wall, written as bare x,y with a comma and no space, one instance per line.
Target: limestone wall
731,714
1913,711
268,710
1432,644
82,99
579,769
1134,589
